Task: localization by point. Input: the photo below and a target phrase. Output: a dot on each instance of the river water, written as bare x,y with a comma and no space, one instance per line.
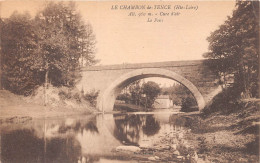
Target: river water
77,139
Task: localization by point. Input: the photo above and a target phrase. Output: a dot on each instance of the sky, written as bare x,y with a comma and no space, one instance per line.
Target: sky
131,39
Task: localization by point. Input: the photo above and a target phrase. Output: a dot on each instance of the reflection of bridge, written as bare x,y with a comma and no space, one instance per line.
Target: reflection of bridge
110,80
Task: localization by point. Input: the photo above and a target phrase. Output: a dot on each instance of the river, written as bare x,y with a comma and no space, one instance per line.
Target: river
94,138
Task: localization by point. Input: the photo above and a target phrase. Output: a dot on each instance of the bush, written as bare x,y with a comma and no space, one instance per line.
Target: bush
91,97
65,95
76,96
189,104
225,102
124,97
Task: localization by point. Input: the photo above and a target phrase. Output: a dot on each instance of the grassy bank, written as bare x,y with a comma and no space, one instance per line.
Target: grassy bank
14,107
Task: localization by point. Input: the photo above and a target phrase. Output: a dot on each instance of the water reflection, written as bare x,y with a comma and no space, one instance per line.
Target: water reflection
24,146
151,126
82,139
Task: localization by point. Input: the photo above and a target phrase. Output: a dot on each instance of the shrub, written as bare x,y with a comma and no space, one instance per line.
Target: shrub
91,97
189,104
124,97
225,102
76,96
65,95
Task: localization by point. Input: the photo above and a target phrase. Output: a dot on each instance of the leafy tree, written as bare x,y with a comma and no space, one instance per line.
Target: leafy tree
87,41
1,31
177,93
45,49
234,47
124,97
59,50
135,90
141,94
151,90
19,45
188,104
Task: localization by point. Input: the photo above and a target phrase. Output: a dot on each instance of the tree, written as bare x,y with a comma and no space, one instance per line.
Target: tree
234,47
19,45
178,93
141,94
87,40
45,49
151,91
135,90
1,55
59,50
188,104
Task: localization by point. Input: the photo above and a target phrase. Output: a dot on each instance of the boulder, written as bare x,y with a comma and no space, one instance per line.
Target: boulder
128,148
157,158
180,157
176,153
174,146
151,158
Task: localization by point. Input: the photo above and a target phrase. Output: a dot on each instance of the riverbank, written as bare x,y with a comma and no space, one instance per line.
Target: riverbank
217,137
227,137
19,108
130,108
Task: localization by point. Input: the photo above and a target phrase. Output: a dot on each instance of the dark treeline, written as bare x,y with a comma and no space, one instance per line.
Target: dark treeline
235,49
181,96
145,93
47,48
140,93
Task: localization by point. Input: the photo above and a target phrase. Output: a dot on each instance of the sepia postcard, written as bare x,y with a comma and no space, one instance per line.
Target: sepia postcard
129,81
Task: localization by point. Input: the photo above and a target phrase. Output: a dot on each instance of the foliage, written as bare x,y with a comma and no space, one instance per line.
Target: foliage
202,145
124,97
180,95
225,102
18,45
49,48
92,97
145,94
151,90
68,94
189,104
176,92
140,94
135,90
234,47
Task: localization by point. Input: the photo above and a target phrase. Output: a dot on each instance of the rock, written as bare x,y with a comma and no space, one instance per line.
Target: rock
186,146
180,135
128,148
83,160
174,146
165,147
176,153
156,157
196,157
179,157
152,158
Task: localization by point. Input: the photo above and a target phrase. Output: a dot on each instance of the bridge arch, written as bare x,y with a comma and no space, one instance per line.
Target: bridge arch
106,99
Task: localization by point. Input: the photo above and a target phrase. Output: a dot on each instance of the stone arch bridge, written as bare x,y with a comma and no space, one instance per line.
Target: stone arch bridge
111,79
